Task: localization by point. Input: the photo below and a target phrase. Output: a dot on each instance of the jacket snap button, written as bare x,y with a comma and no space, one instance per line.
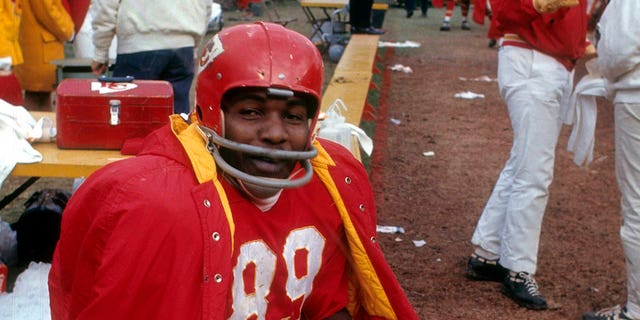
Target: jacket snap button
215,236
207,203
361,207
347,180
218,278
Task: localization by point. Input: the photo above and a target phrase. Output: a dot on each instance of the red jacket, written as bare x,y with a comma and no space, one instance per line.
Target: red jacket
561,34
136,240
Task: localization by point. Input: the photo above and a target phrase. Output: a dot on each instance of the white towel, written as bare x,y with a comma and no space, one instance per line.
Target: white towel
17,128
581,112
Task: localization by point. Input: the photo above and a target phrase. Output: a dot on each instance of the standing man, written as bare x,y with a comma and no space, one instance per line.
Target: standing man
543,39
238,213
360,17
619,62
156,40
410,6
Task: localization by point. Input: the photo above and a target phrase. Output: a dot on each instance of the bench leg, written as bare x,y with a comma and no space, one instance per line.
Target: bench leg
10,197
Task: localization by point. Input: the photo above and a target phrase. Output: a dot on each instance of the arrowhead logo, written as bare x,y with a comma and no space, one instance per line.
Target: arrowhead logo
111,87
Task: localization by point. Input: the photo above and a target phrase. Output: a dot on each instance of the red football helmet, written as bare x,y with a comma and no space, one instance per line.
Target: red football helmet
263,55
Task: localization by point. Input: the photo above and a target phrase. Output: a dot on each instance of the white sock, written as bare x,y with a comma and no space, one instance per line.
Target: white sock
486,254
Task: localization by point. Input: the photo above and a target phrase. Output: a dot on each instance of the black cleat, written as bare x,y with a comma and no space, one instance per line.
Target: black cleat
481,269
522,288
613,313
368,30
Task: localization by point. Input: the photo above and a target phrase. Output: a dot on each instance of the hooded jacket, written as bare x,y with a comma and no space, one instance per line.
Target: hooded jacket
143,237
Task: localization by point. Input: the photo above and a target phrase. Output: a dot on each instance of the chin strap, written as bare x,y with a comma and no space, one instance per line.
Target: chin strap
213,140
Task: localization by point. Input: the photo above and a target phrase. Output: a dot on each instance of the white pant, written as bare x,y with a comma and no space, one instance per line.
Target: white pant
532,84
627,119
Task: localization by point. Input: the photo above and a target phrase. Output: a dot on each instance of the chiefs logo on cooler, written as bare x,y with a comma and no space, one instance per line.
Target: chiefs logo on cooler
110,87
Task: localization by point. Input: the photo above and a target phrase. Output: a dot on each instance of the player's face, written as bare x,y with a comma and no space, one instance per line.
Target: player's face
255,118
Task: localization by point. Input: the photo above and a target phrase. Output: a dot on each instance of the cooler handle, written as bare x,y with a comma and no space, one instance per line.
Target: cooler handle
115,79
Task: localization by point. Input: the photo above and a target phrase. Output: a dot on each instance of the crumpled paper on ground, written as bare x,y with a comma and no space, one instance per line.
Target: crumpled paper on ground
481,79
469,95
405,44
399,67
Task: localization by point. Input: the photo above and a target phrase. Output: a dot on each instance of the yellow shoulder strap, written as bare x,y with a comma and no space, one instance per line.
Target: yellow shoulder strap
202,161
372,295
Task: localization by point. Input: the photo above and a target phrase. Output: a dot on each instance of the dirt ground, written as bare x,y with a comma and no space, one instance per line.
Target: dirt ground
439,198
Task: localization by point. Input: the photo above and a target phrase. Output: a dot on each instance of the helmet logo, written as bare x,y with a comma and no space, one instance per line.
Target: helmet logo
211,51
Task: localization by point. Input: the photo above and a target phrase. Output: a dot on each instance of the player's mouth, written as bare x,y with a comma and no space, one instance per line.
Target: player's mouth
268,167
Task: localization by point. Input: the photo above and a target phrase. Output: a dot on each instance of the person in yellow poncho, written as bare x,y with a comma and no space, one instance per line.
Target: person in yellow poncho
10,52
44,28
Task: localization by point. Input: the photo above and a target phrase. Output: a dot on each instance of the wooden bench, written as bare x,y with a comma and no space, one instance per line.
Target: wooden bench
351,80
380,6
64,163
359,54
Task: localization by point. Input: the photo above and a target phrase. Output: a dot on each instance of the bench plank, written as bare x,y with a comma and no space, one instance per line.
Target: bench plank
360,53
351,79
64,163
353,88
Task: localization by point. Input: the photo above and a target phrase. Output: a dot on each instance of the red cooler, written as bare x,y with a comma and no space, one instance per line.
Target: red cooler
104,113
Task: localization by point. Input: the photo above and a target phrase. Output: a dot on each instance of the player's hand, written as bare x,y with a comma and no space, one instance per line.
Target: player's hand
549,6
98,68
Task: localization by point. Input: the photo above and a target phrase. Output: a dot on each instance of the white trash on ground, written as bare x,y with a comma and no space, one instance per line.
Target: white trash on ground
481,78
469,95
399,67
405,44
419,243
389,229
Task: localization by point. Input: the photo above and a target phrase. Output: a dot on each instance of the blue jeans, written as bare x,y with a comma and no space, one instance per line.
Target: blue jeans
173,65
